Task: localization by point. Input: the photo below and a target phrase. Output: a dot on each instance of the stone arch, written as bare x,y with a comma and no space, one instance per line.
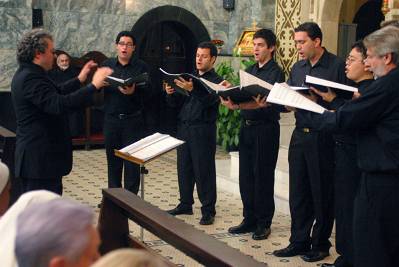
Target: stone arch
171,14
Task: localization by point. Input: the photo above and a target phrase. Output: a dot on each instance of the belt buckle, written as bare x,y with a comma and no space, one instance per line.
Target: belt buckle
306,130
121,116
248,122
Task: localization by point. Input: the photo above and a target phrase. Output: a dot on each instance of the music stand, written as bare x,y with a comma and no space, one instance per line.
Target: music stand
141,162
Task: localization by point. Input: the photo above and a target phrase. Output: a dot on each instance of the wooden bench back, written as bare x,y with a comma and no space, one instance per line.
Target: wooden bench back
119,205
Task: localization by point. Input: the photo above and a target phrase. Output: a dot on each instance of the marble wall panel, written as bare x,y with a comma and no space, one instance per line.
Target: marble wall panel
15,3
14,22
96,6
99,32
8,66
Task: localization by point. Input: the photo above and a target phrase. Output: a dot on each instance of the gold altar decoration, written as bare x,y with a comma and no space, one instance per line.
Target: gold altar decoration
385,8
244,45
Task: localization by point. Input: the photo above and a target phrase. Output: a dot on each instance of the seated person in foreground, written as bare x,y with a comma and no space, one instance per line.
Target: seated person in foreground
56,233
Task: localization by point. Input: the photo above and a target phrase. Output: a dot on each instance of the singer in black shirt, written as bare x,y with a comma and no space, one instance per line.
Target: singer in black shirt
123,109
259,143
311,156
197,127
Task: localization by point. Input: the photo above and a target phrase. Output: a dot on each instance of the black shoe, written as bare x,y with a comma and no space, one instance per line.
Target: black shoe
207,219
291,251
315,255
179,210
261,233
328,265
242,228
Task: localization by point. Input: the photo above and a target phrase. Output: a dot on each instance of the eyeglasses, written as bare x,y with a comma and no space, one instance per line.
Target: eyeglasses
130,45
350,60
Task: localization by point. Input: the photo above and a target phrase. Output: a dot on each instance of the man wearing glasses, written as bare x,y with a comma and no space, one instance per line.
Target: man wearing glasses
123,112
375,116
347,174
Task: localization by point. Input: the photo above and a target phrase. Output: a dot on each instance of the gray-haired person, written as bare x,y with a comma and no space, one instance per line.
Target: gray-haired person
375,116
56,233
43,153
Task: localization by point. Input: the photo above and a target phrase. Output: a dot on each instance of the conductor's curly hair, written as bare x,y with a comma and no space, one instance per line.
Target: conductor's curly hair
32,42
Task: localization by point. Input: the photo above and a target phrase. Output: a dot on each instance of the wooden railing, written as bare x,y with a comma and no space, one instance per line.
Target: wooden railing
119,205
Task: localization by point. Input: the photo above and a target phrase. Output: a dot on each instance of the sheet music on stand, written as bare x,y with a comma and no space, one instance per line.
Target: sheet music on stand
148,148
145,150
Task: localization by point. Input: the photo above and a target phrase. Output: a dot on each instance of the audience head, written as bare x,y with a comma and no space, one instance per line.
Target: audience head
355,68
264,42
129,258
206,56
36,46
8,223
308,38
63,61
125,45
5,186
56,233
382,50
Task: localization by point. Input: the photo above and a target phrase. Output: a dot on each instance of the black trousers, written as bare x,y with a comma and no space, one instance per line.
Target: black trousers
53,185
311,161
196,165
347,179
118,134
376,221
258,150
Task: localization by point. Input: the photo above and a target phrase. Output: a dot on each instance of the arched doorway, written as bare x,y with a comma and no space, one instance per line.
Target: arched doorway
167,37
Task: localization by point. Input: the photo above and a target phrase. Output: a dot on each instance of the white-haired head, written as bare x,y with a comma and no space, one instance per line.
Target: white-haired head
57,228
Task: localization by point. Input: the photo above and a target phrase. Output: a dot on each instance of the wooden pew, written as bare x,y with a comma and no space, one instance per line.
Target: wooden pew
7,152
119,205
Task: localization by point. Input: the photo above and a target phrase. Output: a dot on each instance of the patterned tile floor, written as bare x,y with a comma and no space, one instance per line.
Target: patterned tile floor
88,177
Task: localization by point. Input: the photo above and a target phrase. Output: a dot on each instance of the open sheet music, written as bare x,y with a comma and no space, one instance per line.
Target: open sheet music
234,92
170,77
322,84
250,86
151,146
282,94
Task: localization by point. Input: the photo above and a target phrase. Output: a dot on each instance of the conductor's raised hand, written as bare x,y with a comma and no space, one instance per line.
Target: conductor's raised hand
86,70
327,96
184,84
100,76
127,90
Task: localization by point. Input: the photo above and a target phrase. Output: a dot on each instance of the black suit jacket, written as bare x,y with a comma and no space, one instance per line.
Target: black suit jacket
43,143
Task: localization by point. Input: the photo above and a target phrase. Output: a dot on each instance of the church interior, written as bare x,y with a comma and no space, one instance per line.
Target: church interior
167,33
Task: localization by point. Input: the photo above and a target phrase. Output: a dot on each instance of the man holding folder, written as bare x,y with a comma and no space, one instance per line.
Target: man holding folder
197,127
311,155
259,143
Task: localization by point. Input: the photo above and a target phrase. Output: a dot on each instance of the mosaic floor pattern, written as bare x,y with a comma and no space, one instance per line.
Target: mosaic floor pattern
88,177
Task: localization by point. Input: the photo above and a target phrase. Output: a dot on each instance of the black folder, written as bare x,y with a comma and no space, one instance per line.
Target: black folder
115,81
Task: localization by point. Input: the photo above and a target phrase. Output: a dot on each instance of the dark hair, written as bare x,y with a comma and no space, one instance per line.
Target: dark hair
359,45
127,34
267,35
212,48
31,43
312,29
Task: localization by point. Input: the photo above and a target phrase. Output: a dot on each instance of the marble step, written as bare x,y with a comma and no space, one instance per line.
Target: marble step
227,178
